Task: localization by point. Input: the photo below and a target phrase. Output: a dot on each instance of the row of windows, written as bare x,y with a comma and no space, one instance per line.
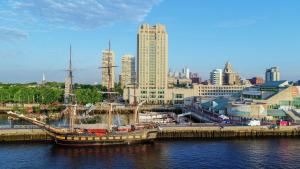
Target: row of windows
222,88
222,91
215,94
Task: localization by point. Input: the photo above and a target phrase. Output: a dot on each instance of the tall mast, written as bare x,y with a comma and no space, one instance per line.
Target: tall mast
109,67
70,70
109,71
109,85
69,97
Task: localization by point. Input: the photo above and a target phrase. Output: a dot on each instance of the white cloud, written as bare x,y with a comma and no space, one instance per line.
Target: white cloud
9,34
83,14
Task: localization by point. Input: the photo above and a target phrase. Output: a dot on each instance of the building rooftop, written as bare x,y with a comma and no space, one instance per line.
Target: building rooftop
281,83
279,113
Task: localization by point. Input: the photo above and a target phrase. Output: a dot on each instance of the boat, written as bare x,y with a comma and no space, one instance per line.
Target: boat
113,135
106,138
83,136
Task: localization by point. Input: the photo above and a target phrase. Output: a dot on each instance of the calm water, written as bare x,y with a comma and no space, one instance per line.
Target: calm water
262,153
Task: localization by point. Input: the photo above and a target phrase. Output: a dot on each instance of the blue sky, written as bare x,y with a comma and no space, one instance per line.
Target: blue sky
203,34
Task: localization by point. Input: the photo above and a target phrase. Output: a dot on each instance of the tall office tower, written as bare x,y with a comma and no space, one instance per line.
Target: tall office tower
216,77
128,70
108,68
68,95
272,74
186,72
152,63
230,77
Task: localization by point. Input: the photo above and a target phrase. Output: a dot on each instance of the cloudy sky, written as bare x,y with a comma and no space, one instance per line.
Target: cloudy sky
252,34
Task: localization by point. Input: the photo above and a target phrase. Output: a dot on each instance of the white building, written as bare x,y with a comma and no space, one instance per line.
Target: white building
128,70
177,95
272,74
108,60
152,62
216,77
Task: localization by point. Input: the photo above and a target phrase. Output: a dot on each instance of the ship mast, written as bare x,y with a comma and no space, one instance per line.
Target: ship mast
109,67
69,96
136,116
135,104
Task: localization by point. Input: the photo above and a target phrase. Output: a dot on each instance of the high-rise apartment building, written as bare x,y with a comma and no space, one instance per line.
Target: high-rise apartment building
152,62
128,70
216,77
186,72
272,74
108,68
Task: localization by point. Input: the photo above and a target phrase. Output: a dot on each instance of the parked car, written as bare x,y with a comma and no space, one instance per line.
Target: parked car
254,123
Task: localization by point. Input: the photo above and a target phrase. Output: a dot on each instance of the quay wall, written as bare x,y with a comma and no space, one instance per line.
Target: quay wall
23,135
28,135
227,132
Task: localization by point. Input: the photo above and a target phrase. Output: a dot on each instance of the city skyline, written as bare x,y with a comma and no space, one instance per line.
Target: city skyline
203,42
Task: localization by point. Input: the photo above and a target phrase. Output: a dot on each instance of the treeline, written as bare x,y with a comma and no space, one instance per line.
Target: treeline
50,92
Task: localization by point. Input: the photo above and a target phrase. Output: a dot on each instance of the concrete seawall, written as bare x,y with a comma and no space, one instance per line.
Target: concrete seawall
226,132
23,135
27,135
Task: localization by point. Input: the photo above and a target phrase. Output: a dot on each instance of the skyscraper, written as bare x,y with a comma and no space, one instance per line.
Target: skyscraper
152,62
272,74
216,77
128,70
108,68
186,72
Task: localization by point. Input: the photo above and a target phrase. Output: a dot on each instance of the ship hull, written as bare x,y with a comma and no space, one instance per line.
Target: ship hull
114,139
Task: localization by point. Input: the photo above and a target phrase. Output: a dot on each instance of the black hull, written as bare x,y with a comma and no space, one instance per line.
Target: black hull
102,143
147,136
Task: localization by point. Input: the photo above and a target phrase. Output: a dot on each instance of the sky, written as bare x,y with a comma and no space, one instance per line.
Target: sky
252,35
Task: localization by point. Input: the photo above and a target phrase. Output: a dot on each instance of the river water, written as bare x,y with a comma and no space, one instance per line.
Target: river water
232,154
250,153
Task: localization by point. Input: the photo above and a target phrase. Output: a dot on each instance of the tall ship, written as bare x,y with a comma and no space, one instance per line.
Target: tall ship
91,135
114,135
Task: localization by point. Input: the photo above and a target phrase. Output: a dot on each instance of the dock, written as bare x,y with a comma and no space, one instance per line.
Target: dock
24,135
227,132
172,132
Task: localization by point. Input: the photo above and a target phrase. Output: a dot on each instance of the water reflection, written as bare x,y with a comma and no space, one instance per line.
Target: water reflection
134,156
250,153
